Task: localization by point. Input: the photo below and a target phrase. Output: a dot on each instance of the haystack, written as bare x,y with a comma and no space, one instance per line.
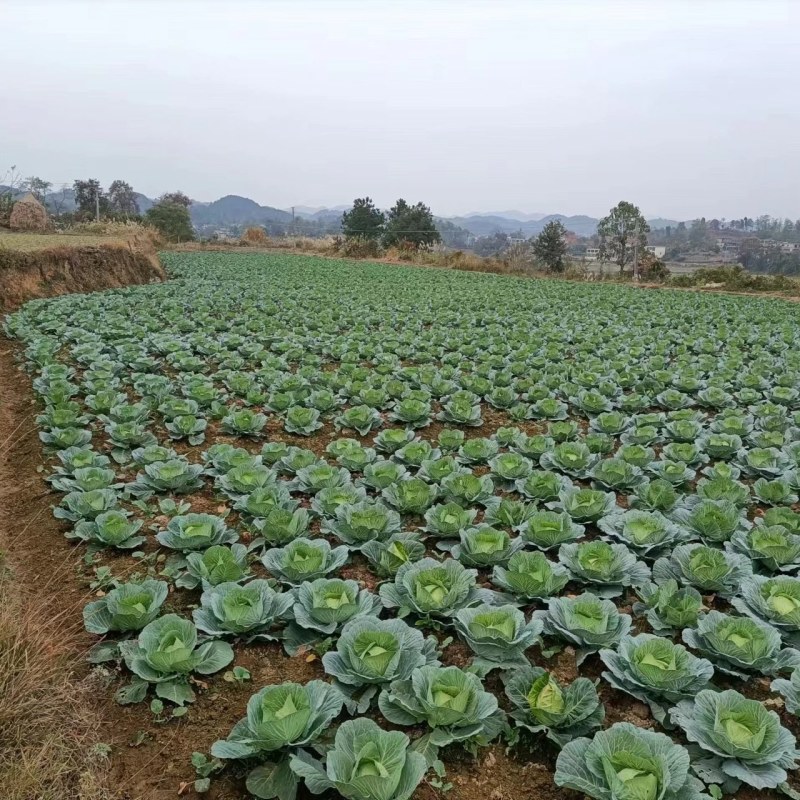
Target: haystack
28,214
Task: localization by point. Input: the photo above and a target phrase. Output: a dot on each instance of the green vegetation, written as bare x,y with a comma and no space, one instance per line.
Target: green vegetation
417,484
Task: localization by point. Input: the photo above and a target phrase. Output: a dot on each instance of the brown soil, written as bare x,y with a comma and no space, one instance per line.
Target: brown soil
66,270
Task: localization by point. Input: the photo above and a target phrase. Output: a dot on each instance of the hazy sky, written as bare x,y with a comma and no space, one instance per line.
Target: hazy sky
685,108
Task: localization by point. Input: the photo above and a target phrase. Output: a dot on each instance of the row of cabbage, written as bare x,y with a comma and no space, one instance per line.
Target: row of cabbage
663,495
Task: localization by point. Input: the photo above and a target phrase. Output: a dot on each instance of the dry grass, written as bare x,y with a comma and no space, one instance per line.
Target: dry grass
91,234
48,728
29,214
30,242
254,237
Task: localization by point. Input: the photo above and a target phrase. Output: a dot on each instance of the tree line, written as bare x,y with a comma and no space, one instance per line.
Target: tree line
169,214
622,234
403,225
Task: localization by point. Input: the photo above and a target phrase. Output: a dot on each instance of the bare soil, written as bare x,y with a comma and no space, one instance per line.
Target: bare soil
28,274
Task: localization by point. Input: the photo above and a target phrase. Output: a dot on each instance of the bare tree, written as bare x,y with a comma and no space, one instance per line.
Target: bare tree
58,200
38,187
11,183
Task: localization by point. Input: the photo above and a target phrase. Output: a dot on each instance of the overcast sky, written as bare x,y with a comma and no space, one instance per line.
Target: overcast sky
685,108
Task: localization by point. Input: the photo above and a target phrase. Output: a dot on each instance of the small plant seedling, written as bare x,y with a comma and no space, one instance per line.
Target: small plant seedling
142,505
440,782
444,644
204,768
139,738
157,709
101,750
237,675
103,578
169,507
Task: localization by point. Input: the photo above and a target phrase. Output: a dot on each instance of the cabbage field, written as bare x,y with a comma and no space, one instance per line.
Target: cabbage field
466,518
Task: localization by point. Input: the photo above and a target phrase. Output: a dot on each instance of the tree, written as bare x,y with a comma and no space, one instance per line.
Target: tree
620,232
172,220
550,246
410,225
88,196
454,236
698,234
10,181
57,201
492,245
122,199
178,198
363,220
38,187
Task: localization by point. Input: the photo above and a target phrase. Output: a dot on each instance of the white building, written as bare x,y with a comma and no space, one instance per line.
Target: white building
592,253
659,251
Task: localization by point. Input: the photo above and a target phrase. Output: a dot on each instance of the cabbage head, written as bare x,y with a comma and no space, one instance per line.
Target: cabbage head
548,529
586,505
706,568
606,568
359,523
189,532
322,607
668,607
280,718
371,653
628,763
485,546
219,564
128,607
655,671
529,576
587,622
430,588
304,560
743,742
647,533
365,763
773,547
772,600
385,558
252,610
166,654
449,701
541,703
739,646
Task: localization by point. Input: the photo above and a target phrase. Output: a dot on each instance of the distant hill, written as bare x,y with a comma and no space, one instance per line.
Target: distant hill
235,210
322,214
485,225
317,212
520,216
658,223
